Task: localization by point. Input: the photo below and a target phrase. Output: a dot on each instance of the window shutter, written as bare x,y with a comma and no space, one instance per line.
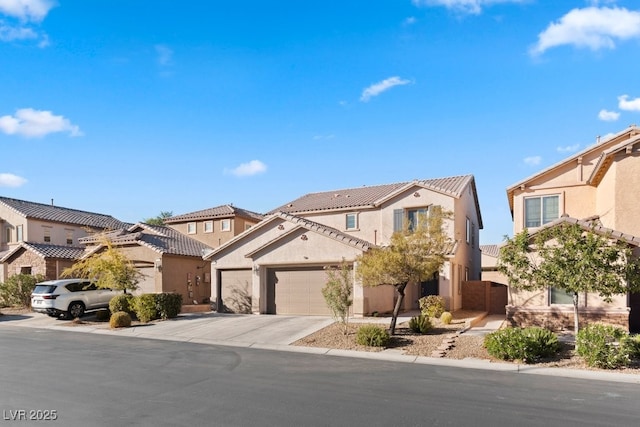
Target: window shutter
398,216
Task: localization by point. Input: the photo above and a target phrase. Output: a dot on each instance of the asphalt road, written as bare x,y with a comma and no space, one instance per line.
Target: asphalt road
97,380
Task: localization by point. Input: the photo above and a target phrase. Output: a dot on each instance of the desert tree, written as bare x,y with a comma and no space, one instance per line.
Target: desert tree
338,290
412,256
573,258
109,268
158,220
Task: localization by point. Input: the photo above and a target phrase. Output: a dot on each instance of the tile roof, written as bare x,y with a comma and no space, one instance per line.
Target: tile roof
370,196
490,250
589,225
59,214
223,211
46,250
161,239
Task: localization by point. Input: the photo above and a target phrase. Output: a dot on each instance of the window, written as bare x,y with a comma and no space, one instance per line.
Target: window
7,234
191,228
69,237
208,226
560,296
351,221
247,226
19,236
47,234
541,210
225,225
411,216
469,231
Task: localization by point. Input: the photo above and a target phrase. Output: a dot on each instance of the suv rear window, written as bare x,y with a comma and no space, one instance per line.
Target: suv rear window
44,289
77,287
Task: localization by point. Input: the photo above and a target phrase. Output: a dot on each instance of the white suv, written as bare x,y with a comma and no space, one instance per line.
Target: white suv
69,297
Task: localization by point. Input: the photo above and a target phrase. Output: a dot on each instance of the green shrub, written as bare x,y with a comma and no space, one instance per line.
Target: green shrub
145,307
122,302
16,291
420,324
168,305
120,319
102,315
606,346
372,336
432,305
446,318
526,344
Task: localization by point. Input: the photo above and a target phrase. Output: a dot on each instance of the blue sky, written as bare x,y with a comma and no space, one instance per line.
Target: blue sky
131,108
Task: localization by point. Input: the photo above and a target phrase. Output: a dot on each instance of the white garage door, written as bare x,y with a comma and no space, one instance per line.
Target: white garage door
236,290
299,291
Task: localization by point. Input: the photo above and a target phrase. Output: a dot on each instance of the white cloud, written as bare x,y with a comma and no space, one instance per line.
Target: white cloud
533,160
11,180
36,123
253,167
22,13
377,88
473,7
26,10
624,103
410,20
591,27
323,137
568,148
608,116
165,54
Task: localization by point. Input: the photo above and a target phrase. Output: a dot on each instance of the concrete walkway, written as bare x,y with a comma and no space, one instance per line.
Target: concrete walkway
278,332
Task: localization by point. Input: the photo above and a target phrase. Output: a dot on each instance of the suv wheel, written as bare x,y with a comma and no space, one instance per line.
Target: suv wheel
76,309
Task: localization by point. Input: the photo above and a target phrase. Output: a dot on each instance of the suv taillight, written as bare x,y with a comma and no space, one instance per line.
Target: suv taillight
49,296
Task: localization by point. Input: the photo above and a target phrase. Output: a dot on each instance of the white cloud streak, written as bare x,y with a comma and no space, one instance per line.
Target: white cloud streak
533,160
165,54
472,7
11,180
253,167
608,116
377,88
568,148
32,123
624,103
26,10
592,27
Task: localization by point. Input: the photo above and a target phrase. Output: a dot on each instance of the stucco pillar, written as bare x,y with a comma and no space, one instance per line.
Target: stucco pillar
359,301
216,276
258,305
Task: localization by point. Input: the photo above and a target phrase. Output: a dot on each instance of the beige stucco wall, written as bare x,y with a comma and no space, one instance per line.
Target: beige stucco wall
217,237
627,199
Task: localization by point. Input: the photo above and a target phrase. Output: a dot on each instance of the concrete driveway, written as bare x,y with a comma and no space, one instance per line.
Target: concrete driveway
213,328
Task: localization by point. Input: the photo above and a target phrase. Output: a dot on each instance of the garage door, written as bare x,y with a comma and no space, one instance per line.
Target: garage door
298,291
236,290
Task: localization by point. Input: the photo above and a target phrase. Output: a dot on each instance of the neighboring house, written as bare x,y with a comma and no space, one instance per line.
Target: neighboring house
280,262
168,260
42,239
489,262
215,226
595,186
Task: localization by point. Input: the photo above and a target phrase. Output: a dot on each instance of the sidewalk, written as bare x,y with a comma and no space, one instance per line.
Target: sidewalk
279,332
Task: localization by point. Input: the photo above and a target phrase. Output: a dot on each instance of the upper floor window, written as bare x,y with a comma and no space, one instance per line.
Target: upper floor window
7,234
47,234
541,210
191,228
469,231
208,226
351,220
19,233
225,225
411,216
69,237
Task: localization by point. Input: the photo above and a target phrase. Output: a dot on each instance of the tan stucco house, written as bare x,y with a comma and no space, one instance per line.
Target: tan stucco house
39,238
280,262
214,226
168,260
597,186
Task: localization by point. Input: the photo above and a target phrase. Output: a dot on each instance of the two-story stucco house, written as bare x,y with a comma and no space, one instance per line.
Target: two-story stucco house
39,238
280,262
214,226
595,186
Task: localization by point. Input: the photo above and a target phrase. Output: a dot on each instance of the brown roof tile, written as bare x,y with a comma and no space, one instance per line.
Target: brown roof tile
223,211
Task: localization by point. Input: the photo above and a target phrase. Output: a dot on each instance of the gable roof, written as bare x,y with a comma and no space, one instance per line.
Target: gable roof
45,250
374,196
224,211
588,224
59,214
161,239
490,250
606,159
620,139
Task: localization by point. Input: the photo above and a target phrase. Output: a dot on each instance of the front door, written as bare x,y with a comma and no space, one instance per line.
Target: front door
634,315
